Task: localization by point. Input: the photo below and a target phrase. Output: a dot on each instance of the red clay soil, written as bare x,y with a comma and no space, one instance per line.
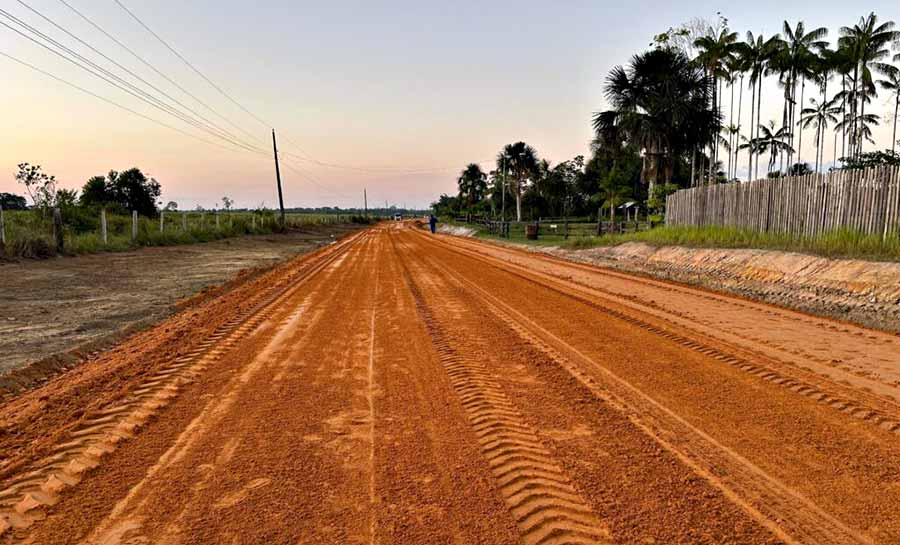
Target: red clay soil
398,387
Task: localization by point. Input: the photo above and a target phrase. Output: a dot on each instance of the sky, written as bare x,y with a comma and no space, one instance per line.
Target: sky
391,97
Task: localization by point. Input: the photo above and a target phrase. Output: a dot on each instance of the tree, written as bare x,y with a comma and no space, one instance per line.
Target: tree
796,58
96,192
755,54
866,45
40,186
891,84
472,184
226,203
131,190
519,164
661,107
11,201
820,114
716,51
66,198
771,141
171,206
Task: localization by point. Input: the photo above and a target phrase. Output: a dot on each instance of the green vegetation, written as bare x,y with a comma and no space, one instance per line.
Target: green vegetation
29,233
836,244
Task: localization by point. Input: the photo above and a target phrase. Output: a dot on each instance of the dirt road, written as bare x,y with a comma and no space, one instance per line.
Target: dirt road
398,387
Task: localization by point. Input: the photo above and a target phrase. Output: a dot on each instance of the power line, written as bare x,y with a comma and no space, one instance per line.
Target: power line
128,71
109,101
157,71
207,126
94,69
308,157
191,66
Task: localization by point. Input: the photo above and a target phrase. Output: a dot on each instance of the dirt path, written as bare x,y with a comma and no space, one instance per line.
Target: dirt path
404,388
50,306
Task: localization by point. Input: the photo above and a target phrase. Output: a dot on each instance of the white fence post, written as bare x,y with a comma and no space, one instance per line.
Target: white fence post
103,224
162,221
134,224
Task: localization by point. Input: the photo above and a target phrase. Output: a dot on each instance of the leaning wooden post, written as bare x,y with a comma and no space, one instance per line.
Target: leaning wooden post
58,230
162,221
134,224
103,224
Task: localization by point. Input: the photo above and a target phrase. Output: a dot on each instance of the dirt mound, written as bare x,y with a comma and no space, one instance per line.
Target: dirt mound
860,291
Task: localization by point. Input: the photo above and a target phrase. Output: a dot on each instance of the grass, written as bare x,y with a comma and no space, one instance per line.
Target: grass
834,244
29,233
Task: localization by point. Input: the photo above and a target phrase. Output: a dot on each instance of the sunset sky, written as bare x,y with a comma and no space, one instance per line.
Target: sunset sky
401,94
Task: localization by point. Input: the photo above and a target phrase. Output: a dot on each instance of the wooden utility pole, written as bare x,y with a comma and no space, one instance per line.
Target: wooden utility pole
278,178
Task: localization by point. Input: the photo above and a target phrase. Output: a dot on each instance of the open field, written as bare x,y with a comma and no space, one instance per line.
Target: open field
50,306
404,388
30,234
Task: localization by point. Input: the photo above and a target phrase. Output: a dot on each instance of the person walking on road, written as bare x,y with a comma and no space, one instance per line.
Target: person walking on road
432,222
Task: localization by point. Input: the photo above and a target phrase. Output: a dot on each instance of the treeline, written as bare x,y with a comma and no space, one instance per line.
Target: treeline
677,118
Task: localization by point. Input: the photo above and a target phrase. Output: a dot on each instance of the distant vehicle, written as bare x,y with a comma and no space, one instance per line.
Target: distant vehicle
398,216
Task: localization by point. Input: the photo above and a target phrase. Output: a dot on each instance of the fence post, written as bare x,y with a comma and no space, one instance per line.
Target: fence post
58,230
162,221
103,224
253,222
184,221
2,230
216,214
134,224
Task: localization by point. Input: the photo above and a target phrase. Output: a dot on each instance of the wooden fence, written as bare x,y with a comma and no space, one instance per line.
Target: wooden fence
866,201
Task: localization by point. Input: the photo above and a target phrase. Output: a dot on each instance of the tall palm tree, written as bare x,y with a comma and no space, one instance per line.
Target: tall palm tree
715,52
891,84
796,58
755,53
660,104
867,44
520,161
772,141
820,114
472,184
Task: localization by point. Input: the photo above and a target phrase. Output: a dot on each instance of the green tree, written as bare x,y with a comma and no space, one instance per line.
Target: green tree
819,115
660,106
891,84
472,183
40,186
755,54
771,141
866,45
11,201
518,164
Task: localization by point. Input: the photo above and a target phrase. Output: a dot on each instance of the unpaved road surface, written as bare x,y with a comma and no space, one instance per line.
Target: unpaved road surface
48,307
403,388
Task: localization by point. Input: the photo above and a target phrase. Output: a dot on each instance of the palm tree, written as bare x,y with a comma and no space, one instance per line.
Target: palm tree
715,53
867,44
472,184
819,115
772,141
796,58
755,53
891,83
521,162
660,104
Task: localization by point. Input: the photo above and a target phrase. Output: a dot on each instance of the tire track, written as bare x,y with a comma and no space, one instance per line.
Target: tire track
546,506
24,499
787,513
869,408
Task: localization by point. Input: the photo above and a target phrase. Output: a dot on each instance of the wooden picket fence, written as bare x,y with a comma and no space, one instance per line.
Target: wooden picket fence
866,201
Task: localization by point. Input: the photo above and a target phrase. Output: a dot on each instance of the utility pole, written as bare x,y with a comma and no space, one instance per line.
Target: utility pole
365,202
278,177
